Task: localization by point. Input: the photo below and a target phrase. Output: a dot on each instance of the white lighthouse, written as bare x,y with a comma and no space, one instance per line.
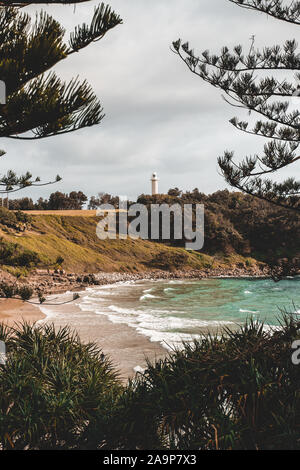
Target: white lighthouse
154,183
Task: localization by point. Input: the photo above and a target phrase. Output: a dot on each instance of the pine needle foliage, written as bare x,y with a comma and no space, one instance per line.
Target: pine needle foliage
38,101
39,104
24,3
252,80
289,12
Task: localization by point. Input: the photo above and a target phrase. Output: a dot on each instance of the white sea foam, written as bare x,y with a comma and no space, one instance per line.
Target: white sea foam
167,325
90,307
148,296
122,310
158,325
99,293
168,340
271,328
248,311
160,328
50,313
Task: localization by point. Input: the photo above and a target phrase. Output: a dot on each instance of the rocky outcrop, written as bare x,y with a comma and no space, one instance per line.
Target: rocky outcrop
58,281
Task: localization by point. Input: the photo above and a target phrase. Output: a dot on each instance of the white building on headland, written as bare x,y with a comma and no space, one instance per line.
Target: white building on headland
154,183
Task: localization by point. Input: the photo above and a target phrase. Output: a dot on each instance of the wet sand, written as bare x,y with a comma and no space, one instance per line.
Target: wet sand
123,344
126,348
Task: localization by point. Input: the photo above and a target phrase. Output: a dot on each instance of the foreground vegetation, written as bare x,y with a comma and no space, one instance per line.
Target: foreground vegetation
53,389
236,391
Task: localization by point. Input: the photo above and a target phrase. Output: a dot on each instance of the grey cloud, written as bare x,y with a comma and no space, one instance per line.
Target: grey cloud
158,115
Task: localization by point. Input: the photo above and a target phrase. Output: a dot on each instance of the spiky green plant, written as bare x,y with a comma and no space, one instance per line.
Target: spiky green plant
53,389
237,391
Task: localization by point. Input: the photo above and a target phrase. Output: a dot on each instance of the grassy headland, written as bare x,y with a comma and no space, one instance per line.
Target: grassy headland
48,239
238,231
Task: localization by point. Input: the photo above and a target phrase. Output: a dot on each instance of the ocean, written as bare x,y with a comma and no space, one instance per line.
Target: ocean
170,312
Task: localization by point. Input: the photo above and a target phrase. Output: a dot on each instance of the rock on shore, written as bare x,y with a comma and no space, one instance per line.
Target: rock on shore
58,281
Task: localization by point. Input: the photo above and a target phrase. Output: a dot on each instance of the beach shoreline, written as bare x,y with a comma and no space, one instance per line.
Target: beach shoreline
127,348
58,281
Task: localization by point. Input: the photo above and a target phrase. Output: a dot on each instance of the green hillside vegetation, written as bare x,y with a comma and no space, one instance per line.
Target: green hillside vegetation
238,230
236,223
43,239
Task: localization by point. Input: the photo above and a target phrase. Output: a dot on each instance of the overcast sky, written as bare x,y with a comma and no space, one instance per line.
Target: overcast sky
159,116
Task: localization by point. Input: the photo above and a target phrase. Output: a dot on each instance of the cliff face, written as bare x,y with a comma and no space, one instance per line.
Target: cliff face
71,243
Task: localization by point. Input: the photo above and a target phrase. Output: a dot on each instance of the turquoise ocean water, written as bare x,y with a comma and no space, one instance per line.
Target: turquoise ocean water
172,311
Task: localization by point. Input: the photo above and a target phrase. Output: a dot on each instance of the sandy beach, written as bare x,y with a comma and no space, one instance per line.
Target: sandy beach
15,311
124,345
126,348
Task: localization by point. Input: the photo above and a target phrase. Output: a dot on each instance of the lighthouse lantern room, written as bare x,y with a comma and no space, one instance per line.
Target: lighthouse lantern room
154,183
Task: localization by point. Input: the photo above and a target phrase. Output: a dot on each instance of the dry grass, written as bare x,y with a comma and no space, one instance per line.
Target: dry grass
72,213
72,236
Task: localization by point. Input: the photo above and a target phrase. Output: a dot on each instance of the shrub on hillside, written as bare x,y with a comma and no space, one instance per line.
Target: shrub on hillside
8,218
16,220
169,261
26,258
12,254
23,217
10,291
235,222
7,251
